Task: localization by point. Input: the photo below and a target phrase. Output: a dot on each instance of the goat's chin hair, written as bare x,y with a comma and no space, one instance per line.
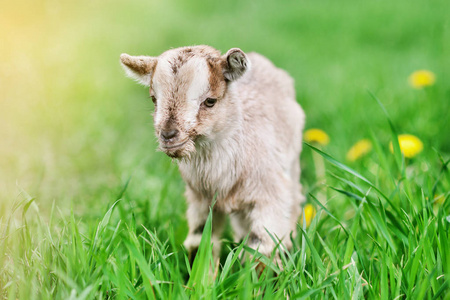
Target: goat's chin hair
188,151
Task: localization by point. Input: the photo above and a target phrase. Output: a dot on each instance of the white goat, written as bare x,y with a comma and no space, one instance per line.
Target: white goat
235,128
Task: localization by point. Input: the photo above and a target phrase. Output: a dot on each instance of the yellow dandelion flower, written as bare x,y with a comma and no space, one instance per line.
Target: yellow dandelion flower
421,78
359,149
318,136
309,212
410,145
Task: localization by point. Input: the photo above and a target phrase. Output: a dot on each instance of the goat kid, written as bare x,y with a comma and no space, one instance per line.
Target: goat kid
233,124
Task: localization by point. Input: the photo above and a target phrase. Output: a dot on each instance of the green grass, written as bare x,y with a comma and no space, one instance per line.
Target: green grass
88,209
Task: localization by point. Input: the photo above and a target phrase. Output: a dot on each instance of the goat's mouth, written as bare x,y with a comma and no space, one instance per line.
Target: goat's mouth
171,147
174,150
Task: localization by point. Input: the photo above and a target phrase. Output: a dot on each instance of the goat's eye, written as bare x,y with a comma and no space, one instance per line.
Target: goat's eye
153,99
209,102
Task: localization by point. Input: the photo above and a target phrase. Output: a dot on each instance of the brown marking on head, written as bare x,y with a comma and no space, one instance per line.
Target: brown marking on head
188,52
216,78
178,61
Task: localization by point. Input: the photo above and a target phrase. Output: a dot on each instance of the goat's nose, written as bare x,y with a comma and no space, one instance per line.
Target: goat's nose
169,134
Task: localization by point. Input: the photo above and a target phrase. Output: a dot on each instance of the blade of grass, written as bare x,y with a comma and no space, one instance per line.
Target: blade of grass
394,137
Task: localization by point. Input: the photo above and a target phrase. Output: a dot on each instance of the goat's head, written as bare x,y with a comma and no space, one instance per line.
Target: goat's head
187,86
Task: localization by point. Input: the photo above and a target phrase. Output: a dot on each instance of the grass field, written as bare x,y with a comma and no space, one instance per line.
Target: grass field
89,209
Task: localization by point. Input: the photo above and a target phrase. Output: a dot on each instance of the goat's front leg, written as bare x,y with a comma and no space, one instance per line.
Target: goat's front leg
197,214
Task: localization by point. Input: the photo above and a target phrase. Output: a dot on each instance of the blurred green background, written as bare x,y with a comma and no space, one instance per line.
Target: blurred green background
74,129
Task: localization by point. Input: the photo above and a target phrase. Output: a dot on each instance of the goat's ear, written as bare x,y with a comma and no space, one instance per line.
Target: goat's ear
140,68
235,64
